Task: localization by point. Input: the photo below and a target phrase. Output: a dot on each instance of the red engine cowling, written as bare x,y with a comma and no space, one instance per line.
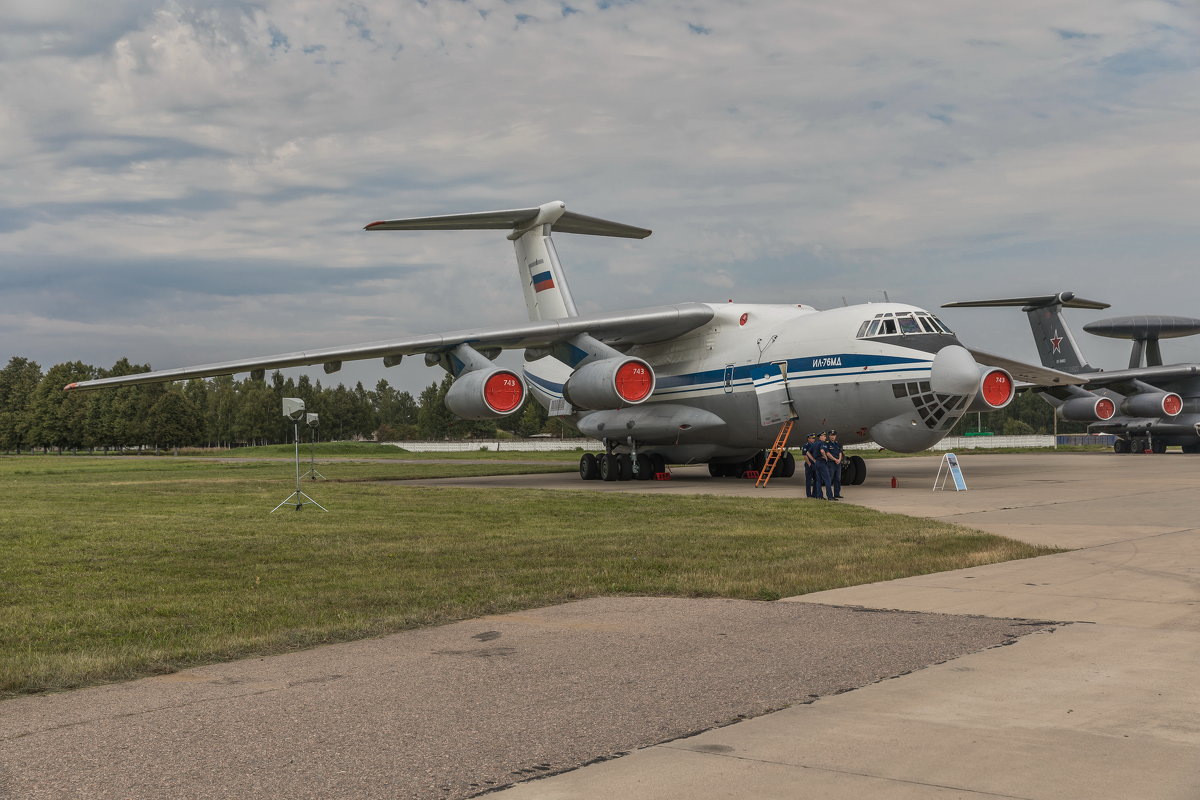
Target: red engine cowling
1087,409
486,394
1152,404
996,390
610,383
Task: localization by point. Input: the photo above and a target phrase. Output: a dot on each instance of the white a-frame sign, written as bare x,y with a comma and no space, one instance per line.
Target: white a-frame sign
949,468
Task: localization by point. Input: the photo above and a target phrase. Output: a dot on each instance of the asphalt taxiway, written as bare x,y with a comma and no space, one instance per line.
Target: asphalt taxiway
1107,707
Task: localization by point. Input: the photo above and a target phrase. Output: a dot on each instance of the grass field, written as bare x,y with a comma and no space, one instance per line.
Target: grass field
117,568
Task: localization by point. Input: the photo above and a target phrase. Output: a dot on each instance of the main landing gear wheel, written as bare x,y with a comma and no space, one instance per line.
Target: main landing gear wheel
658,464
1121,446
608,467
624,467
856,471
787,466
1158,446
589,467
645,468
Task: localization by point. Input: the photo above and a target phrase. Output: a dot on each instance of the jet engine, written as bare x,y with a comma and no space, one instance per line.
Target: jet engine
1092,408
486,394
1152,404
610,383
996,390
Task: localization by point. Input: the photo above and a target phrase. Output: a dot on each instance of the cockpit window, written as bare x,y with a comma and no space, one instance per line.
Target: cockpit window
892,324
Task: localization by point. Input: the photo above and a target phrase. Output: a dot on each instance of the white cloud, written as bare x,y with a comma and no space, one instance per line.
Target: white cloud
778,150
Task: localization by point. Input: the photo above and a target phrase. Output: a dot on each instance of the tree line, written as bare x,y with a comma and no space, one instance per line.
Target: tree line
35,412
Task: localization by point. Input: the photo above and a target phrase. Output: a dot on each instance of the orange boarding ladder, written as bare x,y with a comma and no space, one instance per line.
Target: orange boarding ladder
776,452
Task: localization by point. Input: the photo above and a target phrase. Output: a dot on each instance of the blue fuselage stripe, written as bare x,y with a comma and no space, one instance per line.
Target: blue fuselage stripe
798,369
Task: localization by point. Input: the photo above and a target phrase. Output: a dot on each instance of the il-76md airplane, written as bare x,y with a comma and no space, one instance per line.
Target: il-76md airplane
687,383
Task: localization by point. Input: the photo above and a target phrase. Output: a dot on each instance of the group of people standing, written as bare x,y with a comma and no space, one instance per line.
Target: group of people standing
823,465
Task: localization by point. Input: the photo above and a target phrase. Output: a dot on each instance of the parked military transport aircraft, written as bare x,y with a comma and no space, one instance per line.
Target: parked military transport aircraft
686,383
1148,406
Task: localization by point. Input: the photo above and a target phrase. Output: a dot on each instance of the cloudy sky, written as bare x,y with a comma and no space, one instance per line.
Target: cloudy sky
187,182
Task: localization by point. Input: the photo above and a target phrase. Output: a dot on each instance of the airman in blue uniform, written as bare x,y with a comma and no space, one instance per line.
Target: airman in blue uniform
834,448
824,467
810,468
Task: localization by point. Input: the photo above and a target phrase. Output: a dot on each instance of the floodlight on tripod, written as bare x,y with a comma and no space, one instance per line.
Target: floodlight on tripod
312,420
293,409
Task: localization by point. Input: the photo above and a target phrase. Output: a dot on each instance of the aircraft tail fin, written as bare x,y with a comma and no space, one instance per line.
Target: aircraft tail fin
547,295
1055,342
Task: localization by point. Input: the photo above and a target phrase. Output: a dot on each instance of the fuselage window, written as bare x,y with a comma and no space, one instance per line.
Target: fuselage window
927,324
862,329
874,329
941,325
908,325
889,327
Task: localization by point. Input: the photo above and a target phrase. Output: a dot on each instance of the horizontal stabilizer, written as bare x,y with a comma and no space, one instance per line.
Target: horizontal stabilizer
514,219
1065,299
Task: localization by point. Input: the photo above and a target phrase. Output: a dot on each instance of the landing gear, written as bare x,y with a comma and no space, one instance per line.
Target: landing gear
1122,446
609,471
1158,446
854,471
589,467
643,468
738,469
787,465
621,466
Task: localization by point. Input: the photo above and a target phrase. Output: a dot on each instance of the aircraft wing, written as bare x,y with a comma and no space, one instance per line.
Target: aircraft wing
1029,374
1146,374
641,326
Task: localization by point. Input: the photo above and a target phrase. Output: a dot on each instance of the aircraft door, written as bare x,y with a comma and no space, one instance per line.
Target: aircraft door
771,387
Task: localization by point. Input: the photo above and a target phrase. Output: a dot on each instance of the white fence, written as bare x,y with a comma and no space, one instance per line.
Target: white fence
975,442
515,445
530,445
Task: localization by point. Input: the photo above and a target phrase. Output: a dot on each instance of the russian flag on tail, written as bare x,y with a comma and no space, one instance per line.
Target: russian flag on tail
543,281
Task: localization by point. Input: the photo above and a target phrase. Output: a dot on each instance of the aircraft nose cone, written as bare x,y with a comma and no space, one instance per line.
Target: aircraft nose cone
954,371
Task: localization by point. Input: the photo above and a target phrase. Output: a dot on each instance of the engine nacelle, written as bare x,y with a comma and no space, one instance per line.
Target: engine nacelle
1152,404
996,390
1087,409
486,394
610,383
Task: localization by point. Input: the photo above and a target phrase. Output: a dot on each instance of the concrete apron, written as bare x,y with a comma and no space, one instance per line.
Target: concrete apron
1108,708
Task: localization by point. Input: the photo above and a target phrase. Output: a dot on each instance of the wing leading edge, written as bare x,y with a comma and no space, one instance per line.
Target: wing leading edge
1029,374
641,326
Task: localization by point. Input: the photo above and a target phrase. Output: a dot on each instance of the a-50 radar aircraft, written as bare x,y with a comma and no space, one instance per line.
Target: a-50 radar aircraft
686,383
1148,406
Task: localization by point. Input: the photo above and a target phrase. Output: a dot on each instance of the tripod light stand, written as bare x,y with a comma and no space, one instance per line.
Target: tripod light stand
313,421
293,409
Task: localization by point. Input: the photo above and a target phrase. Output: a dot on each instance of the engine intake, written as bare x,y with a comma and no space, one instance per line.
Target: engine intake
486,394
1152,404
996,390
610,383
1087,409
